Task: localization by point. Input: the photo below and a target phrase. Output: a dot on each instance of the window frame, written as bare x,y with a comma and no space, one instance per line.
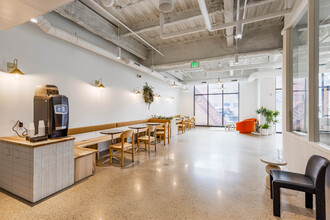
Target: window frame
222,94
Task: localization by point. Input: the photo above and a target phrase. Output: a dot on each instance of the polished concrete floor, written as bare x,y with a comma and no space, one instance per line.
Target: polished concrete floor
206,173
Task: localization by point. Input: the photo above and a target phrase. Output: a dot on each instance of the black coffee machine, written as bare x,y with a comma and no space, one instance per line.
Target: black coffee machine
53,109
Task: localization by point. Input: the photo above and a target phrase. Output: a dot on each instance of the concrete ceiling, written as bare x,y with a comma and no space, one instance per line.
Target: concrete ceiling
260,47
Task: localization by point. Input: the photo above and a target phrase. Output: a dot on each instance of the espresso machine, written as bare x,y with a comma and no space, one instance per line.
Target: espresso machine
53,109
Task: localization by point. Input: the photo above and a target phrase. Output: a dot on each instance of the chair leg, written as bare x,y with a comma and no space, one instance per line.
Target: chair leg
320,205
138,145
164,139
122,159
149,147
110,159
276,200
155,145
309,200
271,186
133,153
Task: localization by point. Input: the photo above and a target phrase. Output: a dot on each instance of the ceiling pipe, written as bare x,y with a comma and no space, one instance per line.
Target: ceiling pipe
244,14
55,31
217,27
246,67
242,79
100,8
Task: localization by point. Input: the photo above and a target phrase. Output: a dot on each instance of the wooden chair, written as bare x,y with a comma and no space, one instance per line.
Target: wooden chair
182,126
189,123
163,133
193,122
123,146
148,139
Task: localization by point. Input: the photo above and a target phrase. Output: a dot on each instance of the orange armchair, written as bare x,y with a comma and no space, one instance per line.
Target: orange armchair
246,126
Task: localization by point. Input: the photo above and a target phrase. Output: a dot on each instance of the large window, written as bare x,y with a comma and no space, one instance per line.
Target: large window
299,111
324,72
216,105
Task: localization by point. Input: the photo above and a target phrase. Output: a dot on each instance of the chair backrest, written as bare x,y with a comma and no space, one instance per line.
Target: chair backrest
125,135
316,168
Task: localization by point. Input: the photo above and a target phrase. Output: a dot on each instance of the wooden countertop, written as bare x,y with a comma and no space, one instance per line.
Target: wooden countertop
22,142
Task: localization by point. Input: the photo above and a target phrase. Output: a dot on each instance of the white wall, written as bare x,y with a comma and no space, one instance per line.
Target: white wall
266,94
47,60
248,100
186,105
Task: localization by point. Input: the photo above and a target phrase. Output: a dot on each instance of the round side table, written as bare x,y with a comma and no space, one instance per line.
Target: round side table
272,164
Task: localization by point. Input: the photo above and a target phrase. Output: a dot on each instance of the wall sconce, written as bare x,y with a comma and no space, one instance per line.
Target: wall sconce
137,91
98,83
157,96
171,99
12,69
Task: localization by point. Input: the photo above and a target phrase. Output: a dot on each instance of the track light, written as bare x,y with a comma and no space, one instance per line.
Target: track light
238,30
186,89
118,53
219,81
236,59
174,85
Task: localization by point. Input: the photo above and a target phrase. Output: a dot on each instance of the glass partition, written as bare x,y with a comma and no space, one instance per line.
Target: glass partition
299,61
324,71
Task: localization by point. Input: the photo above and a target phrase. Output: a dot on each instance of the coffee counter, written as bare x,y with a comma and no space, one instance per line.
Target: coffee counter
34,171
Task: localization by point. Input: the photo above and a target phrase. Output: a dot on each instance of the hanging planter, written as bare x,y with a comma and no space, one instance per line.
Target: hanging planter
148,94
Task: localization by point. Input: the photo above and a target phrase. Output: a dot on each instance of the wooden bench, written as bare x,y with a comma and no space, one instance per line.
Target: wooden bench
94,140
84,163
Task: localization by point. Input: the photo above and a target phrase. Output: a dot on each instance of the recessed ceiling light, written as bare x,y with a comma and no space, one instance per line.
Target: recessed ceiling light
34,20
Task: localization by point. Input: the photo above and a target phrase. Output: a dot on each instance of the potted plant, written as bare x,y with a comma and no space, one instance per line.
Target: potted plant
264,129
270,118
274,120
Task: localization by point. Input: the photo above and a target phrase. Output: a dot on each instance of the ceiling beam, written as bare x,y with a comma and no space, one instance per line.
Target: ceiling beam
186,16
85,17
171,19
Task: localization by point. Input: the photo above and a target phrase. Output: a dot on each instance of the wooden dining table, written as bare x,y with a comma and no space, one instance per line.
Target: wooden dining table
111,132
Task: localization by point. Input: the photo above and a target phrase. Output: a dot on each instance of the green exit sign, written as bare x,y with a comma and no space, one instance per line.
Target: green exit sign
195,64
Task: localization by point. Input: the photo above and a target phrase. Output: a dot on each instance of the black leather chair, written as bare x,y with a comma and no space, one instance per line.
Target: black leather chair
313,182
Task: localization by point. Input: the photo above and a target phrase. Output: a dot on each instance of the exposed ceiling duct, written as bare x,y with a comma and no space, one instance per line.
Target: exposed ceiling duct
100,8
53,30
